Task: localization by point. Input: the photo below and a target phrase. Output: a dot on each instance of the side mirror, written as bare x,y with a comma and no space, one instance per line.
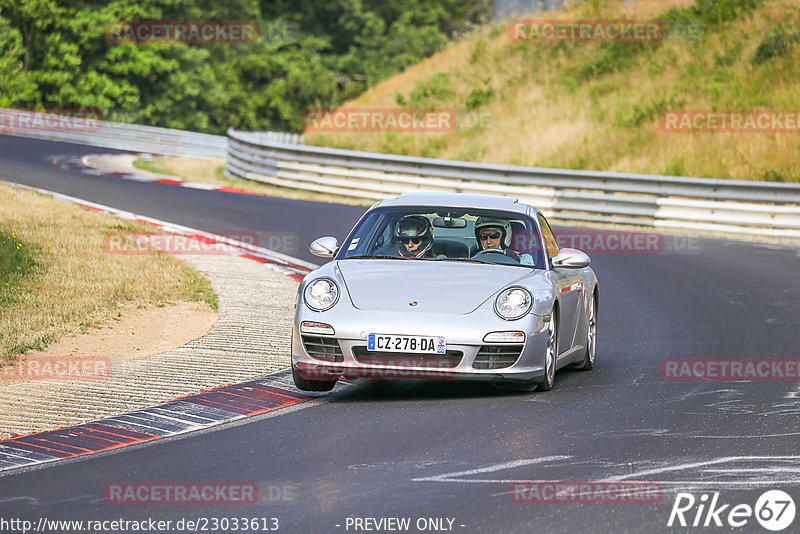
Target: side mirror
570,258
324,247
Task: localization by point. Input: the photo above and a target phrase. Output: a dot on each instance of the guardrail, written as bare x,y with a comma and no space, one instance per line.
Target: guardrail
122,136
735,207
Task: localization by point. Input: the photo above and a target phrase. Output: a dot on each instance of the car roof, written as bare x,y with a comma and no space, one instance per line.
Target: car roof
457,200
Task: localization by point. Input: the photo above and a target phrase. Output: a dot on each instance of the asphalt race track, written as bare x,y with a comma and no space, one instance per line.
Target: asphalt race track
28,161
428,449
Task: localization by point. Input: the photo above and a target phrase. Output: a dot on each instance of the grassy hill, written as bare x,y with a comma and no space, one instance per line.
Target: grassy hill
599,105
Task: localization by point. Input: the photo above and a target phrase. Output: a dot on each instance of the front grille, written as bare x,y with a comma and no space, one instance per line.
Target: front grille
497,356
449,359
323,348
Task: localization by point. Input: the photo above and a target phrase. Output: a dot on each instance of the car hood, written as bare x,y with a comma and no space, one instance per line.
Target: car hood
436,286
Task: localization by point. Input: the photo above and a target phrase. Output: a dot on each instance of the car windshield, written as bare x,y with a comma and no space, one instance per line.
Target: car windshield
445,234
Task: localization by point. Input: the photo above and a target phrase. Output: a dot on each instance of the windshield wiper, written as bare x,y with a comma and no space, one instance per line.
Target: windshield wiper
473,260
377,257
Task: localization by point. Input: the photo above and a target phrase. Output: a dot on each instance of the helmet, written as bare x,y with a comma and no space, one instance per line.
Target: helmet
503,225
414,226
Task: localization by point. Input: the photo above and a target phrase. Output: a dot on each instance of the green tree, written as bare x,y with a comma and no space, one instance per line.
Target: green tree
55,54
15,85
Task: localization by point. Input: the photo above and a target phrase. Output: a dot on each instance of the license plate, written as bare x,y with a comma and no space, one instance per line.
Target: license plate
413,344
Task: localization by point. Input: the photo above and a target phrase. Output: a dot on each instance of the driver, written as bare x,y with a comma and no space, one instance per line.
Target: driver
414,236
494,234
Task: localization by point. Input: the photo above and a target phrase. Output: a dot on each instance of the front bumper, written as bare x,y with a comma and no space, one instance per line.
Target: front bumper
464,334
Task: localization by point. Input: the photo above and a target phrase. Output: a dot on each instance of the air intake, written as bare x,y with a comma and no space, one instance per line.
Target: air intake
323,348
497,356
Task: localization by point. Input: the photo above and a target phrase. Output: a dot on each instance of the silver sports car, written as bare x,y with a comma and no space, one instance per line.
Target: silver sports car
449,286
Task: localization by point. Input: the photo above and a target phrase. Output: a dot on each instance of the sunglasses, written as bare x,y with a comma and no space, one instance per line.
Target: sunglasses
493,235
415,240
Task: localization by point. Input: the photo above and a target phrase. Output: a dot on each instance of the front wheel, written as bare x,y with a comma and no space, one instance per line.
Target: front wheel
310,385
591,338
550,355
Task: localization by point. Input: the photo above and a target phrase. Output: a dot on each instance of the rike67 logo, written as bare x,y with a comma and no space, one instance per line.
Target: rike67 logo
774,510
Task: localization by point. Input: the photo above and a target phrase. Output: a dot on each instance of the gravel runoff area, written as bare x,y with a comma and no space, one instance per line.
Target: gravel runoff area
250,339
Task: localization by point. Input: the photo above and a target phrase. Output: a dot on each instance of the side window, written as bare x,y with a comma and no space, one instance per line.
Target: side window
549,239
367,238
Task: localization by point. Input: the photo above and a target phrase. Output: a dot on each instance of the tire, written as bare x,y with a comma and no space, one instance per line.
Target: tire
591,339
311,385
551,354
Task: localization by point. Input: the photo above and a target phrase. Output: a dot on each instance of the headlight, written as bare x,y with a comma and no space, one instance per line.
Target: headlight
513,303
321,294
